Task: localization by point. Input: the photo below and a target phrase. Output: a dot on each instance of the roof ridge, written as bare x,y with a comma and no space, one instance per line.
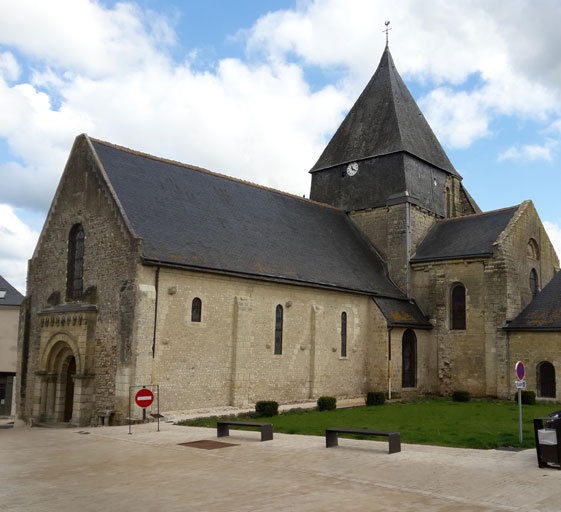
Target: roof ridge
212,173
515,207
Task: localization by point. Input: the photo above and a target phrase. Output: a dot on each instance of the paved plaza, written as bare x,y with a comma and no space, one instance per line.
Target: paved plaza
105,468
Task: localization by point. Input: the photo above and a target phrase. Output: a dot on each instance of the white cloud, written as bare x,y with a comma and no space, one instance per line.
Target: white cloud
9,67
554,233
17,242
438,41
529,152
83,35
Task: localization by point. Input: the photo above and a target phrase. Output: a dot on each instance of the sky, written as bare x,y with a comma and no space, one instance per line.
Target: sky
255,89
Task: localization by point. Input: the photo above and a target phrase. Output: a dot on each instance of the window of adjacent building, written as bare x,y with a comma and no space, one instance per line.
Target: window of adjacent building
343,334
458,313
75,271
546,379
534,284
196,310
278,330
3,294
409,359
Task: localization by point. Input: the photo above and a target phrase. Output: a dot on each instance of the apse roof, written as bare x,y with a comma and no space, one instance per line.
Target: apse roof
193,218
544,312
463,237
9,296
385,119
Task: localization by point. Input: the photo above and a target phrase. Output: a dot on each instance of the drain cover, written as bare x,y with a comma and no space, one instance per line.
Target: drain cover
208,444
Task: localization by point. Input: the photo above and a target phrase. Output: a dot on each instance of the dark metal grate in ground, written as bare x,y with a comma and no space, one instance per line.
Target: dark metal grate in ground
207,444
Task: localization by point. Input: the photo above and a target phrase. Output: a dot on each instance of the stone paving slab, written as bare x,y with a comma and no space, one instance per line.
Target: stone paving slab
107,469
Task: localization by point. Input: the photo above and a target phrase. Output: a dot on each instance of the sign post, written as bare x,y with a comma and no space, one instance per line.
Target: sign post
143,398
520,384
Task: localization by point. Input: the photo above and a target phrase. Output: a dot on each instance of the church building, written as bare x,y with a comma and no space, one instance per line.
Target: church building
223,292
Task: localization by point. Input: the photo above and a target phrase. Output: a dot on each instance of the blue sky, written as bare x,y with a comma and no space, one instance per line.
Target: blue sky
254,89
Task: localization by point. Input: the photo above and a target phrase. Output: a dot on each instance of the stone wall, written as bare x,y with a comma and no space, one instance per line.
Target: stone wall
110,259
386,228
228,358
534,347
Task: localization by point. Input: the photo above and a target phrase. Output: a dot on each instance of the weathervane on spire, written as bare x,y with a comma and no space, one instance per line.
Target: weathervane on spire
386,31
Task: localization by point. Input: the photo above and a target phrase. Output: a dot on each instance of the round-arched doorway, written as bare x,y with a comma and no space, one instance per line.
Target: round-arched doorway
546,379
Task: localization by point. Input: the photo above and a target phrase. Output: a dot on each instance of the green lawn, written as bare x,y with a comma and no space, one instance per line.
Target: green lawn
437,421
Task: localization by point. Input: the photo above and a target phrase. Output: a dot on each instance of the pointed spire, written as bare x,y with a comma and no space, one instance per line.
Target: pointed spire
385,119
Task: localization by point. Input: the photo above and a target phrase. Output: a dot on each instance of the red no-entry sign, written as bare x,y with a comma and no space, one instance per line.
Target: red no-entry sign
144,398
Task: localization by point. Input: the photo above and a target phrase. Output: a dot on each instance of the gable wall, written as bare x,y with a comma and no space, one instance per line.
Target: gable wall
110,257
511,248
228,358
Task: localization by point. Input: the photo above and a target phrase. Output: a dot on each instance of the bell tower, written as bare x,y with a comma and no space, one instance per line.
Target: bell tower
386,168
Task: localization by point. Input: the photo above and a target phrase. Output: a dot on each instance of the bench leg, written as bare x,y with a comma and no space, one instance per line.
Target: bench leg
222,430
395,443
331,439
267,433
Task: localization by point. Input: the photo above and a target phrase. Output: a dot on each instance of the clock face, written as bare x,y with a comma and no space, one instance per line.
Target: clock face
352,168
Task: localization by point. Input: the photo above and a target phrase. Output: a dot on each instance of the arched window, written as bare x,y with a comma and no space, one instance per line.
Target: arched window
409,359
278,330
532,251
534,284
196,310
458,309
343,334
74,278
546,379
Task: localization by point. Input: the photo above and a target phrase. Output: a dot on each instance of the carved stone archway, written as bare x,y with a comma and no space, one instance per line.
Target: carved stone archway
62,391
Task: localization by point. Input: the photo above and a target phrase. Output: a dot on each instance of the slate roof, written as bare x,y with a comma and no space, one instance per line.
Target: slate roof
13,297
402,313
193,218
385,119
463,237
543,313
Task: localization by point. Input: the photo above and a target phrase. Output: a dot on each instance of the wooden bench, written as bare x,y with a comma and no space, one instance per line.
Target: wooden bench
223,428
332,438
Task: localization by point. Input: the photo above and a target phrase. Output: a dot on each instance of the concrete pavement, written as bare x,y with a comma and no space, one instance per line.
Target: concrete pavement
106,469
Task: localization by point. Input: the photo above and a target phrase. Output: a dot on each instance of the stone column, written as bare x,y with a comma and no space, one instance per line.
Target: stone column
315,352
241,350
51,396
40,396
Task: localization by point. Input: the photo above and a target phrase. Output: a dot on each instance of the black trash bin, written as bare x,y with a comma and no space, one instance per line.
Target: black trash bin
547,432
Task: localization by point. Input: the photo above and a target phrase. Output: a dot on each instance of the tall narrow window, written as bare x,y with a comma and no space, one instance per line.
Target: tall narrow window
546,379
409,359
74,281
458,307
343,334
196,309
534,286
278,330
448,203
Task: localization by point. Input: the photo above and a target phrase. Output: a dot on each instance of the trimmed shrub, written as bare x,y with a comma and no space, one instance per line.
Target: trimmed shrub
266,408
461,396
528,397
327,403
375,398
